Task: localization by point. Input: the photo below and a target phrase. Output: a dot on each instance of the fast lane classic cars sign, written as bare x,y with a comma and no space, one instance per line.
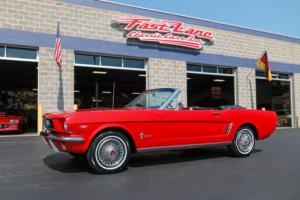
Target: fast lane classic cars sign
165,32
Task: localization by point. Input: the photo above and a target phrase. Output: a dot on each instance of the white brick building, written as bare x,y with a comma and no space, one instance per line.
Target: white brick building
102,67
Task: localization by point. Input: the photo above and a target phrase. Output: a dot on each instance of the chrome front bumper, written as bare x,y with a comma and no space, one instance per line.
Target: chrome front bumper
61,139
49,138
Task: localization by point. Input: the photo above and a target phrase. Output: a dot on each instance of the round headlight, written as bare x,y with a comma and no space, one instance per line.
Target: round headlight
65,125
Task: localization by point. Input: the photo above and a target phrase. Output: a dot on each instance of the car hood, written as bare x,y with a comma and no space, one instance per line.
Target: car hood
86,111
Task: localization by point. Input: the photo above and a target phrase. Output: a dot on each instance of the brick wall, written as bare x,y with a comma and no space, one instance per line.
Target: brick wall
167,73
56,89
296,99
245,87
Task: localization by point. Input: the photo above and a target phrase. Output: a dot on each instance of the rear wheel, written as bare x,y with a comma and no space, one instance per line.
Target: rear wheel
243,142
109,152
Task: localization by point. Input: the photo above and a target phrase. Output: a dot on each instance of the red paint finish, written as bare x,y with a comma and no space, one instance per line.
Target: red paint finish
151,128
10,123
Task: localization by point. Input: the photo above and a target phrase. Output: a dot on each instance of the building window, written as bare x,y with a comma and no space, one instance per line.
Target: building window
207,69
225,70
194,68
82,59
1,51
283,76
210,69
13,52
18,53
275,75
111,61
87,59
134,63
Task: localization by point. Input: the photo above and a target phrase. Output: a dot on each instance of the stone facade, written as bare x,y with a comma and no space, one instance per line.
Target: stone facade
55,86
245,87
296,98
167,73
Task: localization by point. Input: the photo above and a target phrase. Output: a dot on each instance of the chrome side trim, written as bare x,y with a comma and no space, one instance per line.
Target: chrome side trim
64,139
180,147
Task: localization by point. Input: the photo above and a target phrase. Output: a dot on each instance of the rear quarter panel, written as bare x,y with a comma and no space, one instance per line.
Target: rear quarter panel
264,121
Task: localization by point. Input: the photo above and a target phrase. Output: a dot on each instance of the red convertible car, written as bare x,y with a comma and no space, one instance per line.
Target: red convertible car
11,121
154,121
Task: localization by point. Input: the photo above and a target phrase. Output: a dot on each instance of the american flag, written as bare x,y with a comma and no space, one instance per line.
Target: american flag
57,51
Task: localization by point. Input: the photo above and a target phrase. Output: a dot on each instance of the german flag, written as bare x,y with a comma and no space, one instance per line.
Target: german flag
263,63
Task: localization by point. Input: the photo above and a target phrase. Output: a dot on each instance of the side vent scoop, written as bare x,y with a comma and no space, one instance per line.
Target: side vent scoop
227,128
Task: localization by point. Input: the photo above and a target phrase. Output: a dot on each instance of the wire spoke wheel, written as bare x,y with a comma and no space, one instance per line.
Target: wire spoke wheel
245,141
111,152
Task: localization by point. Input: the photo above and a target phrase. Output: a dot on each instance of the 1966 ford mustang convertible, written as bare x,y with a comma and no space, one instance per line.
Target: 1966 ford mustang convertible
154,121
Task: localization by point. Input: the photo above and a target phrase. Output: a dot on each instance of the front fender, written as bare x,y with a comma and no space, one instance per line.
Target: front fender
103,127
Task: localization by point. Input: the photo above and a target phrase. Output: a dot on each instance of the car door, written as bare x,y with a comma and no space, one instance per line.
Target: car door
199,126
185,127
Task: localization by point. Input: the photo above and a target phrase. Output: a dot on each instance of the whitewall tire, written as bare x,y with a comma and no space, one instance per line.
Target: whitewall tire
243,142
109,152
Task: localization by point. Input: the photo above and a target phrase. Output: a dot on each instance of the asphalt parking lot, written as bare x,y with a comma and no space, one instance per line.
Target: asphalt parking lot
29,170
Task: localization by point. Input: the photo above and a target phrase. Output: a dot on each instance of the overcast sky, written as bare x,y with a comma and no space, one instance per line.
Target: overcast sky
278,16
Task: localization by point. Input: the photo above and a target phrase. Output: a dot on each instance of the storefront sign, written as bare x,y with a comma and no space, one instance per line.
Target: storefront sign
165,32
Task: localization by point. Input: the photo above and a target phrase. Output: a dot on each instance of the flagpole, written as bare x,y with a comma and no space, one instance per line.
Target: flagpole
58,61
251,90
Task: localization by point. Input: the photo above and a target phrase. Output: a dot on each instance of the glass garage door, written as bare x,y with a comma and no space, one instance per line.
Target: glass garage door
107,81
275,95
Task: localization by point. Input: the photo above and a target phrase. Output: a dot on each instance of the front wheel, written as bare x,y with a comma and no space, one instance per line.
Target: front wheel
109,152
243,142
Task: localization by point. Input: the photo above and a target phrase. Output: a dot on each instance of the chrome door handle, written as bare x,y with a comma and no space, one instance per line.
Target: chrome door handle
216,113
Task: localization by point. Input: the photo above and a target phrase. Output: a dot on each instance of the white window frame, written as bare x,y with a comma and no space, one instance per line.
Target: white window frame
275,78
110,67
210,73
19,59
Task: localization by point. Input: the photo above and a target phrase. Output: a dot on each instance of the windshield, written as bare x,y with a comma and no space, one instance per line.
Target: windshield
152,98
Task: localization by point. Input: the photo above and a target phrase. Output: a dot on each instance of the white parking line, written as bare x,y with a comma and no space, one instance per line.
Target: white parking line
20,142
24,135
